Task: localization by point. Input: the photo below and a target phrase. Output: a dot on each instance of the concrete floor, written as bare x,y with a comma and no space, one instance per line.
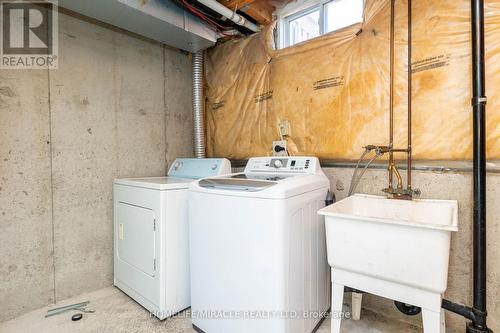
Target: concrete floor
116,312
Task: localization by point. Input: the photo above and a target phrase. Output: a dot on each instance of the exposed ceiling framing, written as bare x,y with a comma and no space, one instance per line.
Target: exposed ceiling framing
260,10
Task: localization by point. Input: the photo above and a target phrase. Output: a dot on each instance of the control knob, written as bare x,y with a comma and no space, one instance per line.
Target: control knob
177,165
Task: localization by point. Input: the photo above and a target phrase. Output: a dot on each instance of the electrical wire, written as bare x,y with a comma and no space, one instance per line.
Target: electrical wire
210,22
203,17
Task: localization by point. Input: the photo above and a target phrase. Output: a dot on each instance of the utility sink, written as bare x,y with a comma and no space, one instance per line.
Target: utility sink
397,249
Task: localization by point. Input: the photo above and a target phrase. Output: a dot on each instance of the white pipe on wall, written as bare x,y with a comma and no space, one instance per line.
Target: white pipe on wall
226,12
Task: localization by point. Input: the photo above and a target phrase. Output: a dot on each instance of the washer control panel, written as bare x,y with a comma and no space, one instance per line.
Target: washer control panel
298,164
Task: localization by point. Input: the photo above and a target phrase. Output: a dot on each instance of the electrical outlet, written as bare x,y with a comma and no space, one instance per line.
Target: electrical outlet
279,148
284,127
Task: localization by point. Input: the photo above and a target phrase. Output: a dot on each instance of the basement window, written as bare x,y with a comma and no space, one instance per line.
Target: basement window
305,20
303,26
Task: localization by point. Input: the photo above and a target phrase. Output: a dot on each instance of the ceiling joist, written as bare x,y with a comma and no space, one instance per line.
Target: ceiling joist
260,10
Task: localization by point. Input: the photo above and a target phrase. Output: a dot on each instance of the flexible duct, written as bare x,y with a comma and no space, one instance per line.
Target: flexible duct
198,105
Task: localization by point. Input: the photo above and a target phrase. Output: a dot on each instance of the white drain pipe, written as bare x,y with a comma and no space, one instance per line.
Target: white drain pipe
228,13
198,105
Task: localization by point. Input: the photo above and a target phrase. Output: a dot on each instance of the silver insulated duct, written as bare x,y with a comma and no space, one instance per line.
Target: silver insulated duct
198,105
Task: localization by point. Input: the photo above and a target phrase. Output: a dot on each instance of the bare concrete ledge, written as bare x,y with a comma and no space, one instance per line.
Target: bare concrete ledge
492,166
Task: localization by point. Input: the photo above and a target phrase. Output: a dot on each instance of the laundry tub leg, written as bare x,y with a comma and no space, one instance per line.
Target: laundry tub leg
443,322
433,321
356,305
337,301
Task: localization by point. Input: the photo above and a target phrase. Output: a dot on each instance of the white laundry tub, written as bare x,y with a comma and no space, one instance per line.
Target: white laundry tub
397,249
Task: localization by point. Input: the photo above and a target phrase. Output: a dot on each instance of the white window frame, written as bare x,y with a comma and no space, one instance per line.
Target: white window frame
298,9
297,15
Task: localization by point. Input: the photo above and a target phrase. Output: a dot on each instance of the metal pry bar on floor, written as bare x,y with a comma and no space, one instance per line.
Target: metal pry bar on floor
76,306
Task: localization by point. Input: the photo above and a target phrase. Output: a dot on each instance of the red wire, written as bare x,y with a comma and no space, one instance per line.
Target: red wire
217,27
212,23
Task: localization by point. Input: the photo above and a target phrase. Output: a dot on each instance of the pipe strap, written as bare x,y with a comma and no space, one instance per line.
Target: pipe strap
479,100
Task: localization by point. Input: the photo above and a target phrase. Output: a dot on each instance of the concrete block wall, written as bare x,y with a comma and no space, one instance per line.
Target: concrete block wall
118,106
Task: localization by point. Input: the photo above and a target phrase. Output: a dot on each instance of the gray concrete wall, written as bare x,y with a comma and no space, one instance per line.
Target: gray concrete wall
443,185
26,265
118,106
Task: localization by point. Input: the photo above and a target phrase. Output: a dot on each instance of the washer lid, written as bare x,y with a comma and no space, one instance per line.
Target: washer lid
270,186
236,184
156,183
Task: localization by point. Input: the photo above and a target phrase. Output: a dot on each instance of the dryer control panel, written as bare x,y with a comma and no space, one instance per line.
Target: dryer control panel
199,167
295,164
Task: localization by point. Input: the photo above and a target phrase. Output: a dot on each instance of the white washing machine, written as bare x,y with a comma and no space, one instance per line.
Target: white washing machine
258,249
151,235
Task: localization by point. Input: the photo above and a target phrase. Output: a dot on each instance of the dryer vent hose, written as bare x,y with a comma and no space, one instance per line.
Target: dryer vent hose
198,105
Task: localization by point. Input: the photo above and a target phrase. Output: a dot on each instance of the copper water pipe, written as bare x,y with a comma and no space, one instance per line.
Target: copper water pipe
391,96
408,160
399,192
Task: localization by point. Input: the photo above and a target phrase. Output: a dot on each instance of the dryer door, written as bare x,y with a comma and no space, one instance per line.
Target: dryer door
136,237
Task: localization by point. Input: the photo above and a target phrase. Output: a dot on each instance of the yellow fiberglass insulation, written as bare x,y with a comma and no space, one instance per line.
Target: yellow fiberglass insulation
334,90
